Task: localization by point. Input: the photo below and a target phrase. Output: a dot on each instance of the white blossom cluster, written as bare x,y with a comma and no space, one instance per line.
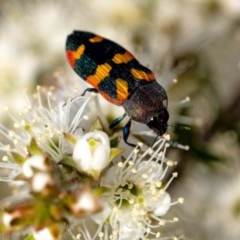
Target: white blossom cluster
70,175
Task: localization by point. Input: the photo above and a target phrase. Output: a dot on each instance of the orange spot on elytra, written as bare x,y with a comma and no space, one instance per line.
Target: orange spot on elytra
73,55
106,96
121,89
70,58
141,75
95,39
112,100
101,72
122,58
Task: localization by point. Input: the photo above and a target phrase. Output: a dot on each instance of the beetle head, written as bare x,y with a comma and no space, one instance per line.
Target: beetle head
158,122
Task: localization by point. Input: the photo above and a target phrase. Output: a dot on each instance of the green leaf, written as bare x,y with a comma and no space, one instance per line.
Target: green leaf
29,237
98,192
115,152
56,211
68,161
2,227
114,142
18,158
33,148
97,125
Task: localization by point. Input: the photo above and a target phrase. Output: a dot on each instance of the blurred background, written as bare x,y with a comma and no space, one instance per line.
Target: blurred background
192,46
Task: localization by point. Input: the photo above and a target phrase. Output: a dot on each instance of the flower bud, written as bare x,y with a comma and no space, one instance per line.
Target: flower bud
37,162
91,153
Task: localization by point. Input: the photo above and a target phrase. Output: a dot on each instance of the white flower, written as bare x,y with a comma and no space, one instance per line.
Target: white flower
129,230
136,193
44,234
46,124
162,205
40,181
91,153
85,202
7,218
127,200
37,162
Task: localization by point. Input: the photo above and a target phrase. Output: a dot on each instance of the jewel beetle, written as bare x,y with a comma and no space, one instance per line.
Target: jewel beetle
116,74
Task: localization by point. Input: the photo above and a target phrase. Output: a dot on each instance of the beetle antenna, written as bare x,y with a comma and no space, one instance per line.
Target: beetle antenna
180,127
173,144
178,145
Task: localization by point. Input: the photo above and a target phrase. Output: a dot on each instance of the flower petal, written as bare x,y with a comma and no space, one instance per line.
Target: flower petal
37,161
163,205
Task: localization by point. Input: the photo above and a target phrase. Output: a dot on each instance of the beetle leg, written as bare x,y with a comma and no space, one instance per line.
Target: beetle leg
89,90
86,90
117,121
126,131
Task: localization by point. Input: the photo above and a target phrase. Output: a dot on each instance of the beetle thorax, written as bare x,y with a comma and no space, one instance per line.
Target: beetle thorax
145,102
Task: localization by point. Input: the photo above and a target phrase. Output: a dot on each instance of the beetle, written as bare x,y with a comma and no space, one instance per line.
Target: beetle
121,79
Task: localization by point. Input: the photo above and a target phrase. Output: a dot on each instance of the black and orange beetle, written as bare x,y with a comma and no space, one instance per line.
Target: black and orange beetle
119,78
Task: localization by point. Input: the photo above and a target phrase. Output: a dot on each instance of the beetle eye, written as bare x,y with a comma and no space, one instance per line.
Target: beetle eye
158,123
154,122
154,119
